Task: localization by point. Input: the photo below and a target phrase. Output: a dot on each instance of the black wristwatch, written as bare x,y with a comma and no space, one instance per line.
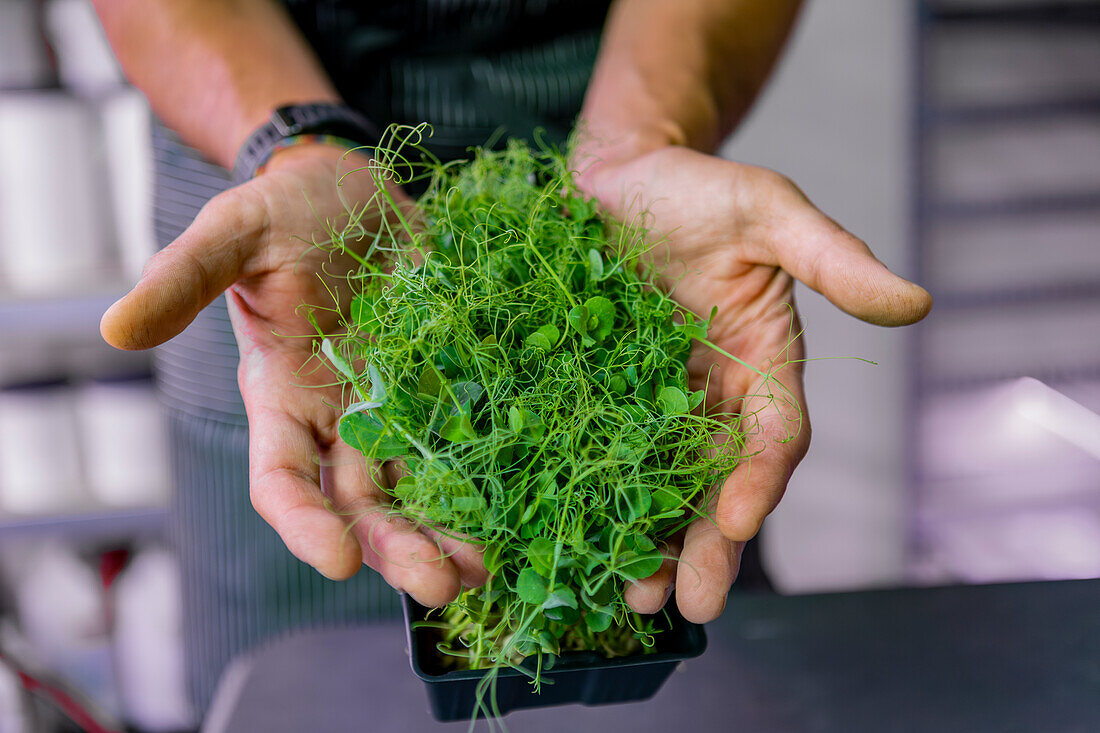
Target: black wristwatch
320,118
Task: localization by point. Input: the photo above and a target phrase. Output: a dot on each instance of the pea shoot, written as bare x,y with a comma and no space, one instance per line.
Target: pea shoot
516,358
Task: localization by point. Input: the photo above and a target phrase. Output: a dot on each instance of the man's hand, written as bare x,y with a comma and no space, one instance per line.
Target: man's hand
247,242
740,235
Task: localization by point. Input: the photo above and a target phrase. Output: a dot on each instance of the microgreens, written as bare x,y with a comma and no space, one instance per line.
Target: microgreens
517,357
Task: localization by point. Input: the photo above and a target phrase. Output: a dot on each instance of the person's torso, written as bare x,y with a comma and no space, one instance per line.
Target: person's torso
470,68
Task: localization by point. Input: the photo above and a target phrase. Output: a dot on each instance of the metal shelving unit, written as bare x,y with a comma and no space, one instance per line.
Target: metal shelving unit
1069,202
933,119
88,526
1023,12
57,317
33,322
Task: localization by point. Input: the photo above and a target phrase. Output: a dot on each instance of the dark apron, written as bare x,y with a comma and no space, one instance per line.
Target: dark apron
468,67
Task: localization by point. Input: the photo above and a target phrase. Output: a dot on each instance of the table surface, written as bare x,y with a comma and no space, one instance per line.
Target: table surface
1017,657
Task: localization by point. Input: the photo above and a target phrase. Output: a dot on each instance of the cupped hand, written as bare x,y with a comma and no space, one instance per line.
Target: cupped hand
737,237
325,501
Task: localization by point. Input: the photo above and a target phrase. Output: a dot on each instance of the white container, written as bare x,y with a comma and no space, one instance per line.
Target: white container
126,121
24,62
61,608
124,443
54,220
148,644
39,460
14,705
85,61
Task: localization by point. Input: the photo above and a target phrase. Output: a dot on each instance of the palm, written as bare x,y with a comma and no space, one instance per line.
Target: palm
736,237
248,243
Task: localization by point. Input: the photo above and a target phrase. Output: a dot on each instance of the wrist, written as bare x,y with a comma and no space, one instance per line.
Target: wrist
340,157
600,146
301,145
298,124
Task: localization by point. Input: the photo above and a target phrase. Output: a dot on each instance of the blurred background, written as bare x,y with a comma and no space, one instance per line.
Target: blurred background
959,138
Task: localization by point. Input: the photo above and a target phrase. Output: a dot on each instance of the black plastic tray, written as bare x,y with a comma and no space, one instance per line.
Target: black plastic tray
578,677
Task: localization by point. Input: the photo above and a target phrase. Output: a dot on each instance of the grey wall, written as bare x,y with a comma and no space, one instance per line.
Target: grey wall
835,119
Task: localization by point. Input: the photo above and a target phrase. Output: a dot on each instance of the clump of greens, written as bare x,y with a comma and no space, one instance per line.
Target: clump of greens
518,360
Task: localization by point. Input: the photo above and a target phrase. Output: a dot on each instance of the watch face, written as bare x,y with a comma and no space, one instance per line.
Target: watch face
283,121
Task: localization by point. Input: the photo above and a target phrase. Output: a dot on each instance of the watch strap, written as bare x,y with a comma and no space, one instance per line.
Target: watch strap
320,118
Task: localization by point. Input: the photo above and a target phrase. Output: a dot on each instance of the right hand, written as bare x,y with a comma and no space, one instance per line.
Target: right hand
248,243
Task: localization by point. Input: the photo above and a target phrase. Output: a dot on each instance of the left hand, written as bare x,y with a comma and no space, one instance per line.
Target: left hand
743,235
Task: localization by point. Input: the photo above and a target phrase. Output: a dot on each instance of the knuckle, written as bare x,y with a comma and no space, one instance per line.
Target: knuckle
736,523
238,216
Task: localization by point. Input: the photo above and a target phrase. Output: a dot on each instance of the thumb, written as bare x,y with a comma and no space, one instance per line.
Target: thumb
827,258
184,277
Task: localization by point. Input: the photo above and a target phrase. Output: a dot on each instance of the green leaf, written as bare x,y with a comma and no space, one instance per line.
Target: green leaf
526,644
531,587
362,312
430,382
639,567
697,398
365,432
666,498
604,594
525,422
360,407
561,596
548,482
598,621
535,427
550,331
672,401
640,543
377,385
595,265
467,395
492,559
601,317
404,486
540,553
468,503
337,360
547,643
539,341
578,319
516,420
632,502
563,614
451,362
458,429
617,385
360,307
696,330
640,560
